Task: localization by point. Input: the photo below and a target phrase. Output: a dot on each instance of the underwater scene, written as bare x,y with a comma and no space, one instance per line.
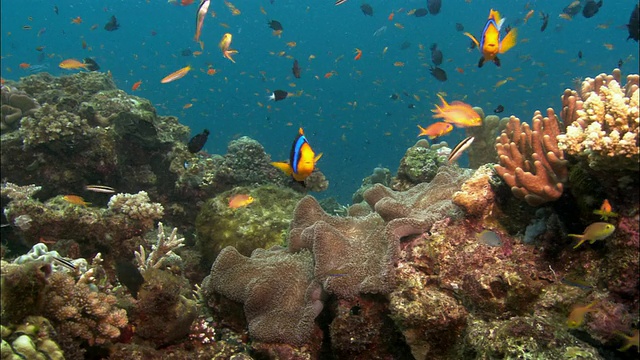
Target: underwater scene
329,179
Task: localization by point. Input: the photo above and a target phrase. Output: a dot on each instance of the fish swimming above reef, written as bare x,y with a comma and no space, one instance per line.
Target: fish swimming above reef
112,25
594,232
459,149
275,25
436,54
129,276
421,12
572,9
434,6
72,64
366,9
435,130
225,44
92,65
438,73
490,44
278,95
605,211
296,69
498,109
634,24
302,159
201,14
197,142
591,8
457,113
545,21
576,317
75,200
240,200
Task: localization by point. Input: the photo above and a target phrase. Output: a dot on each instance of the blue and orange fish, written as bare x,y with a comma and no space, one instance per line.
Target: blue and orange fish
302,160
490,44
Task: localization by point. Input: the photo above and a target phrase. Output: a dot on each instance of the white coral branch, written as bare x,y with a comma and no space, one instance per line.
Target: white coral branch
160,251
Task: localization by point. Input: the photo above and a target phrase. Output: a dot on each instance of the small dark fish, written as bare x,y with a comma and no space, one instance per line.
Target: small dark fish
296,69
275,25
499,109
278,95
576,283
436,55
620,63
591,8
92,65
459,27
112,25
634,24
580,54
393,96
55,9
434,6
405,45
27,27
366,9
129,276
420,12
438,73
186,52
545,21
197,142
40,48
411,106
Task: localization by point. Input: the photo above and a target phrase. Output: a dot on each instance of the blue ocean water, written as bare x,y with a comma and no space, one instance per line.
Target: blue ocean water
349,116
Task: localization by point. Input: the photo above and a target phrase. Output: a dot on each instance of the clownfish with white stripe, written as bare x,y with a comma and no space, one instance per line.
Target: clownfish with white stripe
302,160
490,44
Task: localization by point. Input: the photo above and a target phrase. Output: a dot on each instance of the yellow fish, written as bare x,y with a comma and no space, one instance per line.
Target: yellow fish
224,45
490,44
595,231
576,317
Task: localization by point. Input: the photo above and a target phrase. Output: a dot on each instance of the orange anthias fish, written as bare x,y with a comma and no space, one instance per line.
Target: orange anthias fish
136,85
358,54
240,200
302,159
200,15
176,75
490,44
435,130
224,45
72,64
75,199
605,211
457,113
77,20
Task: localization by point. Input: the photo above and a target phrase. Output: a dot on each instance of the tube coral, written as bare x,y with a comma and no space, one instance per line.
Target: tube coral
531,163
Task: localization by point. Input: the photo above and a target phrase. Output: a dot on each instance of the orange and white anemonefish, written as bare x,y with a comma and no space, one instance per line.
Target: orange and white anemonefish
302,160
490,44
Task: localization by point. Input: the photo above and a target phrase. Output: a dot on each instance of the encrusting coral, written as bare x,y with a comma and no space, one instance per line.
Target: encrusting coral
48,124
602,122
531,163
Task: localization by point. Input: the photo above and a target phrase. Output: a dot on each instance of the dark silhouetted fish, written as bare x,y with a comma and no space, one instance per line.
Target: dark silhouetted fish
591,8
499,109
459,27
434,6
186,52
296,69
278,95
129,276
411,106
436,55
580,54
275,25
92,65
366,9
633,26
405,45
197,142
545,21
438,73
420,12
393,96
112,25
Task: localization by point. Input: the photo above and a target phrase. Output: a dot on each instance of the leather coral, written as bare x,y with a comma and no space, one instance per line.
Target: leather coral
531,163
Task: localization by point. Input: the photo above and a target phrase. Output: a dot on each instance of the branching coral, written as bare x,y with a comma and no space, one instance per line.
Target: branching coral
162,250
602,122
531,162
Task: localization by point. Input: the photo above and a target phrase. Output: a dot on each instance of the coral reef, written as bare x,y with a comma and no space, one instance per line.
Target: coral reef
531,163
261,224
15,104
31,339
136,206
161,251
379,176
420,164
482,150
48,124
602,122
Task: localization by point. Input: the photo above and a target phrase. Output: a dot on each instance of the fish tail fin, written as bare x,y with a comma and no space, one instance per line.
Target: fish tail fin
315,160
423,131
481,61
473,38
444,103
509,41
582,239
285,167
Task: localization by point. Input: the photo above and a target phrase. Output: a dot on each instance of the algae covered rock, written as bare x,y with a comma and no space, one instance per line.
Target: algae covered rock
260,224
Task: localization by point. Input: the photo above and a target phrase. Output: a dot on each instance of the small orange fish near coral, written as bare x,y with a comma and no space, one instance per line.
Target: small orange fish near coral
457,113
435,130
605,211
136,85
576,317
358,54
240,200
211,71
75,200
77,20
24,65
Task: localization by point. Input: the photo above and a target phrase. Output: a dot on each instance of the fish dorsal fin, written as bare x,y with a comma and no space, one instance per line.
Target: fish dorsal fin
499,23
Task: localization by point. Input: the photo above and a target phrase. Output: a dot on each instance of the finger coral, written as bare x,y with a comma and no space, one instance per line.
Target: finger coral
531,163
602,122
